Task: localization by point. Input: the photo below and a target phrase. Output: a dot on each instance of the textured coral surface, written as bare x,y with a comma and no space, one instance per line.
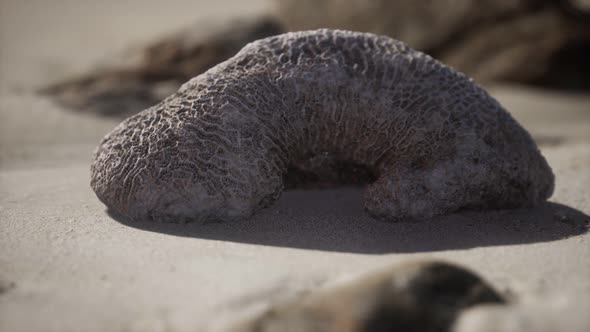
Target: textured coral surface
425,138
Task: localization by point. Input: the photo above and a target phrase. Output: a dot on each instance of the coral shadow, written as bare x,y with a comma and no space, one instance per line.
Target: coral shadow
334,220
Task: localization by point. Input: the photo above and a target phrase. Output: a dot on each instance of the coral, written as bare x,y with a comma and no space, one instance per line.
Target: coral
431,140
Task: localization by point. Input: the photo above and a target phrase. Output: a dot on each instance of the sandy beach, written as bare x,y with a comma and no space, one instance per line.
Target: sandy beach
66,265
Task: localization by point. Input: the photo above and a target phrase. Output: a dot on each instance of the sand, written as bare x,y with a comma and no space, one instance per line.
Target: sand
65,265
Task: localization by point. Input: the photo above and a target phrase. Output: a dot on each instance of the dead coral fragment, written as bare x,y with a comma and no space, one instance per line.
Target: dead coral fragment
427,139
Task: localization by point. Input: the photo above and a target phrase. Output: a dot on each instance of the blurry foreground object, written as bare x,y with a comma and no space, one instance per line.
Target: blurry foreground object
417,296
543,42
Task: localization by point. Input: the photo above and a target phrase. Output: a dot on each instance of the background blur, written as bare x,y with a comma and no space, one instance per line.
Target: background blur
45,41
119,57
71,69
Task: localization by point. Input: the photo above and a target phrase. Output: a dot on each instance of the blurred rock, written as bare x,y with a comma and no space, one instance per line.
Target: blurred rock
511,40
541,42
417,296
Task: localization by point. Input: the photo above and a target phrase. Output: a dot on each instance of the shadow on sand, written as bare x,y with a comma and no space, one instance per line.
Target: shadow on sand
334,220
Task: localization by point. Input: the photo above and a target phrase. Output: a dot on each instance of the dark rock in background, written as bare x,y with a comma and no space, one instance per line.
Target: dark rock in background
541,42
